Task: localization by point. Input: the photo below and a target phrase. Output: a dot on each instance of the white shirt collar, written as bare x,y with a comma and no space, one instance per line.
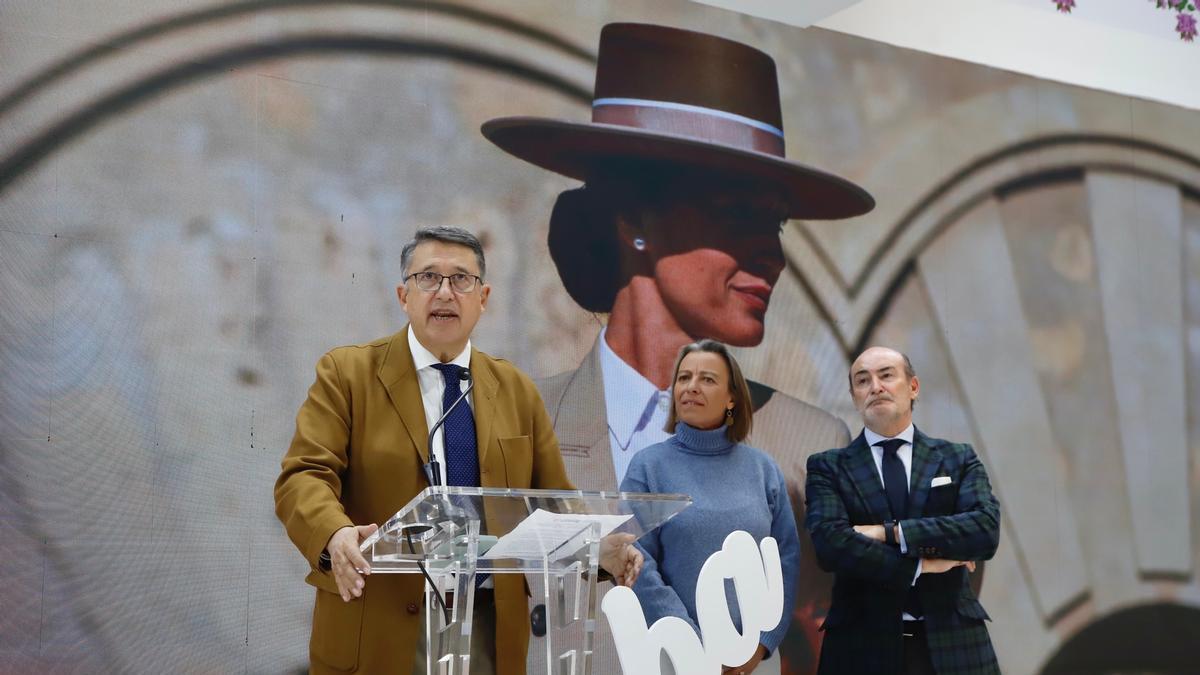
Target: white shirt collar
626,392
423,358
873,438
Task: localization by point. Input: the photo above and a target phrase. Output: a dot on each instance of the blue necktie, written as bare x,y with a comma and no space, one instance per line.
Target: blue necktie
458,432
895,483
458,438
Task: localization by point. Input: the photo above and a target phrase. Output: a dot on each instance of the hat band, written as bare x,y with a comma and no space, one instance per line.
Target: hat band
715,126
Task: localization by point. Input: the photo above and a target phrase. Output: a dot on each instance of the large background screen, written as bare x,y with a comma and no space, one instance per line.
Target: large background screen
195,204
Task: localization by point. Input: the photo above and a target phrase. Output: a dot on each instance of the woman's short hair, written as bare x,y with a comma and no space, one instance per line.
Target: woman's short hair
743,412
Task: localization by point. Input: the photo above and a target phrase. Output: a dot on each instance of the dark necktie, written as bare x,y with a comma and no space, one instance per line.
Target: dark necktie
895,479
458,439
895,483
458,432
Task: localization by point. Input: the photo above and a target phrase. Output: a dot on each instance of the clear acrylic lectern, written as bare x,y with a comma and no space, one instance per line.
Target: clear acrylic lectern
458,532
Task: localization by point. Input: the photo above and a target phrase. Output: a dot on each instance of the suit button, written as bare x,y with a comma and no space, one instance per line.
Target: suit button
412,608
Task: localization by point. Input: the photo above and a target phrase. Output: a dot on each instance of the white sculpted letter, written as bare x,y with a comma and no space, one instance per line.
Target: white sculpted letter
638,647
758,583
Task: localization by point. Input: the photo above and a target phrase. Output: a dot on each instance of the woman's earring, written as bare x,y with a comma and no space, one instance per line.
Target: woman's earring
729,417
639,243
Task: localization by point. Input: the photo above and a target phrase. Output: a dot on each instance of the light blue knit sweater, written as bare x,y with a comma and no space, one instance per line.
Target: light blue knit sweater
733,487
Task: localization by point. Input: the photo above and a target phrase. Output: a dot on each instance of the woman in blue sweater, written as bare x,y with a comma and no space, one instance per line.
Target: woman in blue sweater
733,487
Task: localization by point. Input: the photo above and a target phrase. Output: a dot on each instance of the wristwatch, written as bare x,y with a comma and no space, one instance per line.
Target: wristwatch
889,532
325,563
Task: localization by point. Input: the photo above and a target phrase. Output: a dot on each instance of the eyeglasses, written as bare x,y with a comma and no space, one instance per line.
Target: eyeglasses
432,281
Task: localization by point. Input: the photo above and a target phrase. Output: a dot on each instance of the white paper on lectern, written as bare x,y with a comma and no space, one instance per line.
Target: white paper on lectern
545,531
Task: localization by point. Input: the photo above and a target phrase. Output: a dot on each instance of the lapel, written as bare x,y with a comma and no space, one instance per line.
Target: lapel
581,422
859,464
399,377
925,461
484,400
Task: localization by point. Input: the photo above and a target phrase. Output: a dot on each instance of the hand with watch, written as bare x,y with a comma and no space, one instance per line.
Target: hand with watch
342,558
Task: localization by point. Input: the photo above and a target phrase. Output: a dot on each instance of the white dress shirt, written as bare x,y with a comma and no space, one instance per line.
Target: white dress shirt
433,385
637,410
905,454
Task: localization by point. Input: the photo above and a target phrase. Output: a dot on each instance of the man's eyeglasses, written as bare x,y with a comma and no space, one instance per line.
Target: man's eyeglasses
432,281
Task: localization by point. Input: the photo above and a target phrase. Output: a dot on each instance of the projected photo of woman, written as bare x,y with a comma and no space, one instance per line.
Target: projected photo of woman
675,236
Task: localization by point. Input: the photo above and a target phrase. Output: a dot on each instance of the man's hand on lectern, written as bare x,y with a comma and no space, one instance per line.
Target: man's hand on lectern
346,561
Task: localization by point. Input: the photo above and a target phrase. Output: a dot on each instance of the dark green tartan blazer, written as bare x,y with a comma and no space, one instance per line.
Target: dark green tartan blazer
958,521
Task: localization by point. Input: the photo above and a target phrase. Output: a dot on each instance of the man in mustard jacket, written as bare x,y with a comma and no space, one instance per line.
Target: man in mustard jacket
360,448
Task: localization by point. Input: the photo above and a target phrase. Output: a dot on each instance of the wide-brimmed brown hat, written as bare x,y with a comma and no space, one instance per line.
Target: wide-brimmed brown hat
675,96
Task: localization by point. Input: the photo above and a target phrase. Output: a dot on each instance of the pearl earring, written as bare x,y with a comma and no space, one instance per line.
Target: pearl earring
639,243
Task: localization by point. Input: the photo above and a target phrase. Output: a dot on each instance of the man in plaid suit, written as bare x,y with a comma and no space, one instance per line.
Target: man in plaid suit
900,518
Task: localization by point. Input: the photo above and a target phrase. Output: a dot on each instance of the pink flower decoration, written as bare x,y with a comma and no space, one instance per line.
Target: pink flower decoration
1185,19
1186,26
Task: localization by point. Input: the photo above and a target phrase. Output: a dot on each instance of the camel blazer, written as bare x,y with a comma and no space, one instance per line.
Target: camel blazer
787,429
357,457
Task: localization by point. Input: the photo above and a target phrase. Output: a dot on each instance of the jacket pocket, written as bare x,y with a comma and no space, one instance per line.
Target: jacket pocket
941,500
518,461
336,630
970,608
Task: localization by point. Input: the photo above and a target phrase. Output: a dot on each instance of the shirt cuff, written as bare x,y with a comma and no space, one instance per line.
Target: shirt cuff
903,545
918,572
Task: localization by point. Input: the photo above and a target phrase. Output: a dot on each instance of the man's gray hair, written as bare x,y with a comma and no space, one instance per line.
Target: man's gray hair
909,371
446,235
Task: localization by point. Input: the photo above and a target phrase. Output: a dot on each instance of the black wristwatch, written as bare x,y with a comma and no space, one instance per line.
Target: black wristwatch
325,563
889,532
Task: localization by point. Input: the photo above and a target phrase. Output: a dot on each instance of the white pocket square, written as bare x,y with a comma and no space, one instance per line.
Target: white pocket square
940,481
